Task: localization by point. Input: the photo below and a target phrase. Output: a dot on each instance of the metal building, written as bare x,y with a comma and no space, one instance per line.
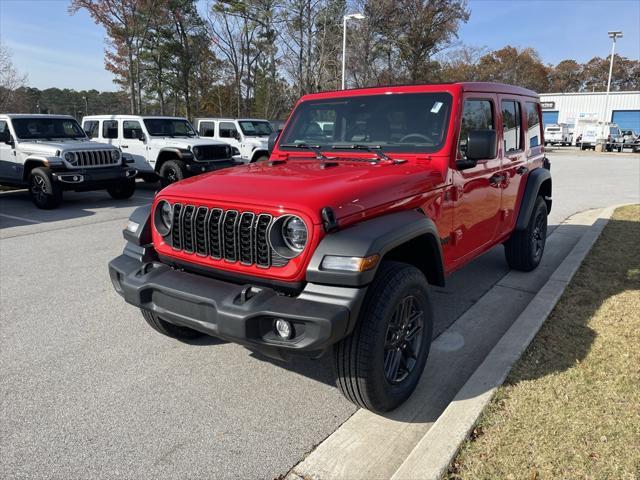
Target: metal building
623,108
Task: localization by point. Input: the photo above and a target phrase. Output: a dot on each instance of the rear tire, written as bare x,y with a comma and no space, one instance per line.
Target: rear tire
524,248
172,171
122,190
169,329
44,192
379,365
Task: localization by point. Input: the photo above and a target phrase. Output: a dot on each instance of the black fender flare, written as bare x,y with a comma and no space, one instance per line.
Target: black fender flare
181,154
535,179
378,236
142,235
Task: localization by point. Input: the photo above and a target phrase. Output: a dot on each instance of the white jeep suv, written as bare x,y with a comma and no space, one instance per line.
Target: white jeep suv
249,136
51,153
165,147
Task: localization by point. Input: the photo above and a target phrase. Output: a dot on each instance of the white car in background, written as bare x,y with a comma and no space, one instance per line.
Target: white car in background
250,136
557,133
164,147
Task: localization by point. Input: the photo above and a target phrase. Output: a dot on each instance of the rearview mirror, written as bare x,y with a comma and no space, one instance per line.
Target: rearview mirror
481,145
273,138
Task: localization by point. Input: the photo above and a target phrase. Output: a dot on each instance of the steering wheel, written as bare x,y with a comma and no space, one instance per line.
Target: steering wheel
416,135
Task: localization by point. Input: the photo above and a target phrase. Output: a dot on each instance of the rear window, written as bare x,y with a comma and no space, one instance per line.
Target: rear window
511,124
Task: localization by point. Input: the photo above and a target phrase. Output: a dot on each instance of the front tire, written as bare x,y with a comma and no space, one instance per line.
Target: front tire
379,365
261,158
169,329
172,171
122,190
524,248
44,192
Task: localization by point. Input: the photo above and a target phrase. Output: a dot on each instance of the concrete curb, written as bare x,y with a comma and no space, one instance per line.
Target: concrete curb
434,452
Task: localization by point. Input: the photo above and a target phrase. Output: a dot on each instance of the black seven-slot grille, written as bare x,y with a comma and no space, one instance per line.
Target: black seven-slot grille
224,234
212,152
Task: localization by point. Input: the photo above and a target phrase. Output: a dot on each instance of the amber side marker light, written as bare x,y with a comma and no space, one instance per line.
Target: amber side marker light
349,264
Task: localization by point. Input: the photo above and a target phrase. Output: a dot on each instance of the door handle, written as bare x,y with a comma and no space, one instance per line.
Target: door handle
522,170
124,146
496,179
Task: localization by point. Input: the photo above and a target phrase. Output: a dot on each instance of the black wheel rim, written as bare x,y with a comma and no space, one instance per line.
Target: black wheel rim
404,340
172,175
539,235
38,188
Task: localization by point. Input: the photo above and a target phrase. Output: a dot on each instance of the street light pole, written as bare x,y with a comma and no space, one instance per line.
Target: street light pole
613,36
357,16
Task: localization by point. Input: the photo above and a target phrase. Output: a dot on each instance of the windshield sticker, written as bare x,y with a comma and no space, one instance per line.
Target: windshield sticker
436,107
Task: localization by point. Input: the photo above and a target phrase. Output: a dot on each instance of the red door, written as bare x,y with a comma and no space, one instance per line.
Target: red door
477,190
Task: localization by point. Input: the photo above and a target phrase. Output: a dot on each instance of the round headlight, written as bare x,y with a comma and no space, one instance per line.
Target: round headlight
115,155
294,233
196,152
163,217
70,157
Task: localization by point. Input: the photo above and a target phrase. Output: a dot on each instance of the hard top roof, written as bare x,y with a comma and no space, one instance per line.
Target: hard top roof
481,87
32,115
131,117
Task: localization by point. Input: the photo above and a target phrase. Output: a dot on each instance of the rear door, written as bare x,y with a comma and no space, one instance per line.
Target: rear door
477,189
514,159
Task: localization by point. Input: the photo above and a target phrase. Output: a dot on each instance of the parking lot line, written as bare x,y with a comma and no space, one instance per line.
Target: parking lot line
22,219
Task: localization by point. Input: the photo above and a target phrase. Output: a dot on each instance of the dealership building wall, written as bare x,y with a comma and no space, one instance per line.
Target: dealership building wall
623,108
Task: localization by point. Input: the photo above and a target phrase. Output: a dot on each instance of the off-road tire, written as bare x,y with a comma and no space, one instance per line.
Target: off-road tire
524,249
44,192
359,359
261,158
169,329
122,190
171,171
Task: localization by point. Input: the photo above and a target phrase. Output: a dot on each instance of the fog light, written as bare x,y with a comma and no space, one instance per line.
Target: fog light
284,328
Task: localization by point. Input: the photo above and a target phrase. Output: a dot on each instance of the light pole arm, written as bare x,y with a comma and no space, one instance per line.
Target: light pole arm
344,48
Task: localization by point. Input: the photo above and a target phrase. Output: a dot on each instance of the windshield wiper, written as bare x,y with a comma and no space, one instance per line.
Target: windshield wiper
314,148
375,149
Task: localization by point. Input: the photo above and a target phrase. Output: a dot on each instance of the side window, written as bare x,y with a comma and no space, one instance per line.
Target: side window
228,130
131,129
511,125
207,129
91,128
110,129
4,131
533,125
476,115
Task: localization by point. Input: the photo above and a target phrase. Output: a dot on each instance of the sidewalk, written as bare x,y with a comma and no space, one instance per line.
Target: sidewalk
370,446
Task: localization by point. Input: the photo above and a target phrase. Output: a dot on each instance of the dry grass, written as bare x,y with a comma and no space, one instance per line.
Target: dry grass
570,408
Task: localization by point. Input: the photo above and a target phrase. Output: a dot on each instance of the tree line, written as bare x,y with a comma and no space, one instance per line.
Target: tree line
256,57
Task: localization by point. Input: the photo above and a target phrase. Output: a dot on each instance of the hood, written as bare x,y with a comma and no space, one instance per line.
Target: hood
307,186
50,147
260,142
185,142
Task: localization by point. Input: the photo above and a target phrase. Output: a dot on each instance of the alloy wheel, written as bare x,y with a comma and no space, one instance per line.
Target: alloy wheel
404,340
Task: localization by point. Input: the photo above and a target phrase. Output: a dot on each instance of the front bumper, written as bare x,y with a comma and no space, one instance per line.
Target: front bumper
197,167
245,314
92,178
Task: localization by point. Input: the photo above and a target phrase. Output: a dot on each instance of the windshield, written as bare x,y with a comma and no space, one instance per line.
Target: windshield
407,122
253,128
46,128
169,127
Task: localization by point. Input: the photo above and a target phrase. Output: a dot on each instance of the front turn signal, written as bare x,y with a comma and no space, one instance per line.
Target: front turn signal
349,264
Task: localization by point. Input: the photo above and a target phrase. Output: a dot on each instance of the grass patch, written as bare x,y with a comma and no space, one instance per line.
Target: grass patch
570,407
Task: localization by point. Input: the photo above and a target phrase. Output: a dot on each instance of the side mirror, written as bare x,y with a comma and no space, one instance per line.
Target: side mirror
481,145
140,135
87,133
273,138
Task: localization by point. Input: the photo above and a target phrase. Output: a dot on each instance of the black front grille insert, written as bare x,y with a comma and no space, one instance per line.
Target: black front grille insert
212,152
224,234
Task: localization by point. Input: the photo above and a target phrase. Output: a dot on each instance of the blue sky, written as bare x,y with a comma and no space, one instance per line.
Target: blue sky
57,49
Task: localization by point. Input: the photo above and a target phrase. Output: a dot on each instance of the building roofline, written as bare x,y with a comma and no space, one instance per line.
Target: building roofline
591,93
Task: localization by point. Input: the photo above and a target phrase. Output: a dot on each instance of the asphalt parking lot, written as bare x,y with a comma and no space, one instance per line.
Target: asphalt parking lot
89,390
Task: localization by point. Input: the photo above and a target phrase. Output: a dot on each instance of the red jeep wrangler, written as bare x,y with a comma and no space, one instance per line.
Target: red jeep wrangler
369,196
